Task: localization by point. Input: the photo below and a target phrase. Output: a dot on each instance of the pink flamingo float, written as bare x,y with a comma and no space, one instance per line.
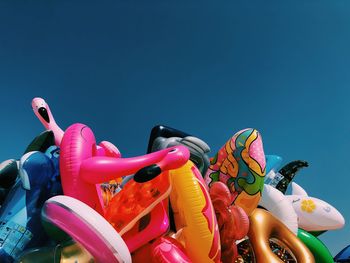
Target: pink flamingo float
83,167
42,111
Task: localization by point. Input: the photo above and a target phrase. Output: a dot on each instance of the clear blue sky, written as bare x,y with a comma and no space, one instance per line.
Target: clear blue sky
209,68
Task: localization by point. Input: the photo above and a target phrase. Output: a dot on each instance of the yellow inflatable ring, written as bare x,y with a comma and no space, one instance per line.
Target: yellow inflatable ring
195,219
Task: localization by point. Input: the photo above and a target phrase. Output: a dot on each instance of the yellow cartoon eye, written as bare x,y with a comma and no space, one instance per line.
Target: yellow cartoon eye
308,206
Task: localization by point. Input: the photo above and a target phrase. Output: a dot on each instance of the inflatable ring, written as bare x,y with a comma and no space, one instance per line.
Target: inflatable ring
317,248
194,215
78,144
263,227
241,165
87,227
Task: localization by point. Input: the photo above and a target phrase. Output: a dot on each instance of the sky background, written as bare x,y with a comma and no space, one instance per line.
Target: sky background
209,68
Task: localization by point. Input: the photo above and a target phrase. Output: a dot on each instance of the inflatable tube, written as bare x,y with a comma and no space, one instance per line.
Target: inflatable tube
240,164
81,169
194,215
263,227
87,227
280,206
43,112
317,248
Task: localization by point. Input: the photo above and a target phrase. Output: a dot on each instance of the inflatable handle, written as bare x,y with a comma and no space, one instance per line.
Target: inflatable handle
147,173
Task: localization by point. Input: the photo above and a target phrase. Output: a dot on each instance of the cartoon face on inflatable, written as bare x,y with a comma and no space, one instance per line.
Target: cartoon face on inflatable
314,214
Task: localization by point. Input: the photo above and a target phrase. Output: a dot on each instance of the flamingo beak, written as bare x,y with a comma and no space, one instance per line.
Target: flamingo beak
44,114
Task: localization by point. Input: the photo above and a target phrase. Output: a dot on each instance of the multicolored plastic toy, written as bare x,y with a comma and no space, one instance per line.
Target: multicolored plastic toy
240,164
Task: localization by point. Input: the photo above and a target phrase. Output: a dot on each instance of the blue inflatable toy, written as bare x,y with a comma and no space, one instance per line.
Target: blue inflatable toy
343,256
20,214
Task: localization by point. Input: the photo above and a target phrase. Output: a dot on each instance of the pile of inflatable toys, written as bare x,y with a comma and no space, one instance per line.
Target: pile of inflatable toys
70,198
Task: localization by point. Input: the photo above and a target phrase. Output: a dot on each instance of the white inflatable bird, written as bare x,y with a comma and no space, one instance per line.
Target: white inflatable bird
314,214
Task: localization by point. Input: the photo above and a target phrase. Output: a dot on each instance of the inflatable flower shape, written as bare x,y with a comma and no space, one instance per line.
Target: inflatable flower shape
308,205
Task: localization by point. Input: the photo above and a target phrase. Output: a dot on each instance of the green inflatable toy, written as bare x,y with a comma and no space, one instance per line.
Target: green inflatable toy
317,248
